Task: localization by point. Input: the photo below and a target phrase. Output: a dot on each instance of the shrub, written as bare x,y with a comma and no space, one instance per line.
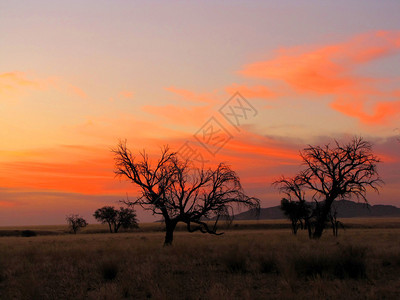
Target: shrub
351,263
268,265
109,270
28,233
310,266
236,261
344,262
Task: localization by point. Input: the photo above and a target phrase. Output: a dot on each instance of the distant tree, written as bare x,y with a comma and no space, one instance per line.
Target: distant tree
106,214
127,218
289,208
339,171
294,205
75,222
124,217
179,193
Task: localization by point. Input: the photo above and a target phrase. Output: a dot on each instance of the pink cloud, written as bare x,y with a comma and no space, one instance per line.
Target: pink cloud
330,70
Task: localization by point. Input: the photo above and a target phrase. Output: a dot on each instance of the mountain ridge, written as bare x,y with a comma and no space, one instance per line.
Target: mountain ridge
345,209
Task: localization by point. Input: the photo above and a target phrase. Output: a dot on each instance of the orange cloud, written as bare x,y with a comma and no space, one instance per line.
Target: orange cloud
193,109
189,96
4,204
253,145
305,71
77,91
180,115
257,91
126,94
15,84
382,111
89,169
142,132
330,70
18,78
79,169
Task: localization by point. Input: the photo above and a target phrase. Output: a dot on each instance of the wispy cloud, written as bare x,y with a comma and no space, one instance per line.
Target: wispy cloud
180,115
77,91
126,94
15,84
254,91
193,97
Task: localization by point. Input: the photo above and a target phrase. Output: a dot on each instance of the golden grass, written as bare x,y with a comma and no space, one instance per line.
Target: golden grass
244,264
236,225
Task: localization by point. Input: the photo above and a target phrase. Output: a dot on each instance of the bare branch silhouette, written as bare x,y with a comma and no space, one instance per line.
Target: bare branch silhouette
173,189
338,172
75,222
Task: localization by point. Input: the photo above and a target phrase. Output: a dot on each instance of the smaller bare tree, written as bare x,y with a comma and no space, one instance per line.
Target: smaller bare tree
76,222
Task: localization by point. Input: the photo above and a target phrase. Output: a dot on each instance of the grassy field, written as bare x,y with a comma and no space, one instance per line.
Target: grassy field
250,263
350,223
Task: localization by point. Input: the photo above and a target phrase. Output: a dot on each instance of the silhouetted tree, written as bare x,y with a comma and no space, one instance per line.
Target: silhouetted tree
180,193
106,214
294,205
76,222
124,217
338,172
289,208
127,218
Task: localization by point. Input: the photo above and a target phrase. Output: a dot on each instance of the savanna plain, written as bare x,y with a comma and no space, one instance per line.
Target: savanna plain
251,260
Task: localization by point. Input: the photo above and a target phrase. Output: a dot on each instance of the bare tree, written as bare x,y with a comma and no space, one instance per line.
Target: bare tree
124,217
179,193
76,222
338,172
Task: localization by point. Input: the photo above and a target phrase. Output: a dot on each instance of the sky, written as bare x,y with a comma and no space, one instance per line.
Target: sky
76,77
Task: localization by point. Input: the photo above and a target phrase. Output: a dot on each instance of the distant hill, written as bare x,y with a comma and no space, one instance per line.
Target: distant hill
345,209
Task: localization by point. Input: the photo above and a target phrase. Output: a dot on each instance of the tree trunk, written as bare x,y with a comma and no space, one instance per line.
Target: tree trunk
309,231
116,227
169,232
294,227
335,232
322,217
319,228
109,225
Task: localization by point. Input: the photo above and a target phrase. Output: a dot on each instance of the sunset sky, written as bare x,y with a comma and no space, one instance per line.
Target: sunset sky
77,76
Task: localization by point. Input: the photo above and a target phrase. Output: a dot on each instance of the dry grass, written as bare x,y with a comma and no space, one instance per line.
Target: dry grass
377,223
245,264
